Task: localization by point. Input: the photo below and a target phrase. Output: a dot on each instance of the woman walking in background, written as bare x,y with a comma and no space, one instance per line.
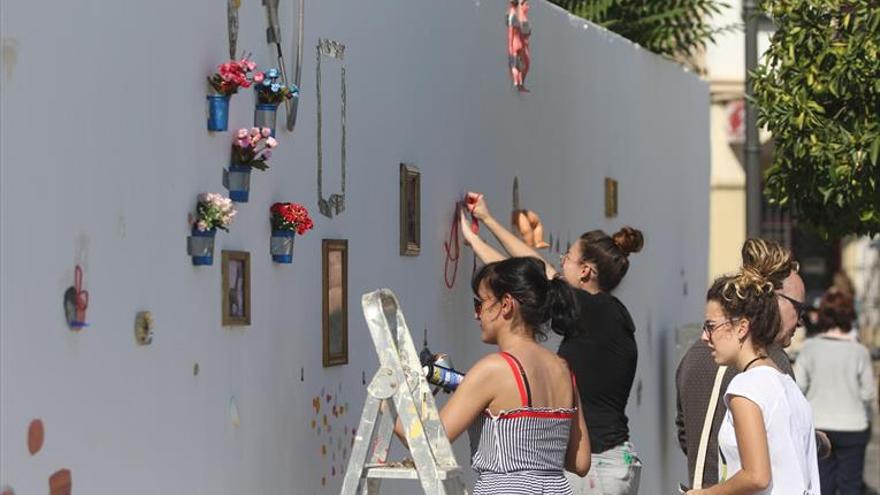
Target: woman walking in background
599,346
836,375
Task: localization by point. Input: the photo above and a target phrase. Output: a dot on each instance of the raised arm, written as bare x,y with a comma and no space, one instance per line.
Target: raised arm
511,243
483,250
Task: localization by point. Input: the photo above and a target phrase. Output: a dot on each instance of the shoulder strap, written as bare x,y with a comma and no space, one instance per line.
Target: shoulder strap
525,393
707,428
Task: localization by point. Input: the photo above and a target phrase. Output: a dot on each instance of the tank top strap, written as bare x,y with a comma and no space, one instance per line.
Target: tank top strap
522,382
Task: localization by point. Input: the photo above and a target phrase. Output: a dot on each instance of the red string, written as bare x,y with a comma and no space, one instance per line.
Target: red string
452,246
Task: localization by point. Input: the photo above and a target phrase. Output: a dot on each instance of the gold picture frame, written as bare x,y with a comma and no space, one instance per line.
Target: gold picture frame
334,265
410,210
610,198
235,276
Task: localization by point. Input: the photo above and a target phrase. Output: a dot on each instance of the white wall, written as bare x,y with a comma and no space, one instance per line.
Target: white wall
104,150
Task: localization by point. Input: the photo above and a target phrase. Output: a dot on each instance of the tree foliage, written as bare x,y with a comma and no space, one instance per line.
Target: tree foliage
674,28
818,92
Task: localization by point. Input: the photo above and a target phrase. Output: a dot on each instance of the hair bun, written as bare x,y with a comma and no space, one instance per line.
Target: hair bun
629,240
748,283
769,259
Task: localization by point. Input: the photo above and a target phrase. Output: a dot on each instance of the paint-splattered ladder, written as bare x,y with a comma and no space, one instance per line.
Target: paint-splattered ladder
399,390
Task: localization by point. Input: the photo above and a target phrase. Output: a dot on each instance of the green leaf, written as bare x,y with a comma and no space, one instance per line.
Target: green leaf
875,151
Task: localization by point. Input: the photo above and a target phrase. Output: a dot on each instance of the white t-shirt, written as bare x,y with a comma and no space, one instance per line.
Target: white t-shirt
788,420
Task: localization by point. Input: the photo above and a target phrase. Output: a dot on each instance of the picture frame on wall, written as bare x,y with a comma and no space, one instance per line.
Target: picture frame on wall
610,197
334,262
410,210
235,275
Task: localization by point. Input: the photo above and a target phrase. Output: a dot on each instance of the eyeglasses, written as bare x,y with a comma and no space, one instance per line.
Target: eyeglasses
799,307
710,326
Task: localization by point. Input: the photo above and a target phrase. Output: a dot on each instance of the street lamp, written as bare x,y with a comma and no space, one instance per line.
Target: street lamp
754,22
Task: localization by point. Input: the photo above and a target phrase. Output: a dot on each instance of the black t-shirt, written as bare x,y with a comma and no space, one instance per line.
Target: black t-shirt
600,348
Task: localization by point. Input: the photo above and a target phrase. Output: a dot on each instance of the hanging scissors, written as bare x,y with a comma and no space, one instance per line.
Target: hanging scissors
82,296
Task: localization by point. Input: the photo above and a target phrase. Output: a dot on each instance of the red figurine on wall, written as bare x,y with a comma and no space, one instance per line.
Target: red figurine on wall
518,32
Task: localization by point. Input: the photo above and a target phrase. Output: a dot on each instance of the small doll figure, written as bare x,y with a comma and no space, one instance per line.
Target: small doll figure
518,32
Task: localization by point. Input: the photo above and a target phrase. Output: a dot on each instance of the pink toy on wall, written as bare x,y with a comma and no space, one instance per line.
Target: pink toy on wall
76,301
518,33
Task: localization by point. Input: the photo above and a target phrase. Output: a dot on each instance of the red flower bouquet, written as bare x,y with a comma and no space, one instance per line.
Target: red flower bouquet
231,76
292,217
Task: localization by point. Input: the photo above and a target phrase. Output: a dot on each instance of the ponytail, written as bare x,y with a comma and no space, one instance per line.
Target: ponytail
561,303
541,301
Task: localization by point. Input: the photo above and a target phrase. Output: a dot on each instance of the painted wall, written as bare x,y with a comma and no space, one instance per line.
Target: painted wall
104,150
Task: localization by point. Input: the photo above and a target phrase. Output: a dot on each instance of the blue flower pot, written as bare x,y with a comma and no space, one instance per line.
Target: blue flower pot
281,246
237,180
265,115
218,112
200,246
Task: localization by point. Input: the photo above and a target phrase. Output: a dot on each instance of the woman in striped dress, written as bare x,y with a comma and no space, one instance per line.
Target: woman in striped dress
520,405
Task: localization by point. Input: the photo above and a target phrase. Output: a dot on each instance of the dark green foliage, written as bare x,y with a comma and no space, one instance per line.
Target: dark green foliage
674,28
818,92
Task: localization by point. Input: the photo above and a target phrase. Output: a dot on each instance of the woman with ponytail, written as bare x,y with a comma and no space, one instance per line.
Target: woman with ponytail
520,405
766,438
599,344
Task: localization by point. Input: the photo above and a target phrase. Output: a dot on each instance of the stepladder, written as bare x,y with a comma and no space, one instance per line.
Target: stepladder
398,391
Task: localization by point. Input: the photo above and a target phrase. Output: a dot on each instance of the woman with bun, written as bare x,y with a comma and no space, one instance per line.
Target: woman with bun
599,345
766,438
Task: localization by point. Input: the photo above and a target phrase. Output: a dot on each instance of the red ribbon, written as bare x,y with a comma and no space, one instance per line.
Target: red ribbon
453,249
453,246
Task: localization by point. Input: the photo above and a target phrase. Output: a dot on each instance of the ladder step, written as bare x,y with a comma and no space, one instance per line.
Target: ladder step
390,471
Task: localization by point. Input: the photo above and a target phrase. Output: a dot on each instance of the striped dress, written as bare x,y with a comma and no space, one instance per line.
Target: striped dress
521,451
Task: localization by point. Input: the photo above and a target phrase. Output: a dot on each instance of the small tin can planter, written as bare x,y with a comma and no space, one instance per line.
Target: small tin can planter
218,112
281,246
237,180
265,115
200,246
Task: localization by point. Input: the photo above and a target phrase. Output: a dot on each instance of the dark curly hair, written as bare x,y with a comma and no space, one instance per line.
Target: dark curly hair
611,253
540,300
749,295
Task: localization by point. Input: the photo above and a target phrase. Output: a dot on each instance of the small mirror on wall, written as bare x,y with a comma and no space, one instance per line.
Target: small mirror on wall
236,288
335,301
410,210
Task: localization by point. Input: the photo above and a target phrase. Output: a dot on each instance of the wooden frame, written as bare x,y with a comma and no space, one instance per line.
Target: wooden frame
410,210
334,264
235,294
610,198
